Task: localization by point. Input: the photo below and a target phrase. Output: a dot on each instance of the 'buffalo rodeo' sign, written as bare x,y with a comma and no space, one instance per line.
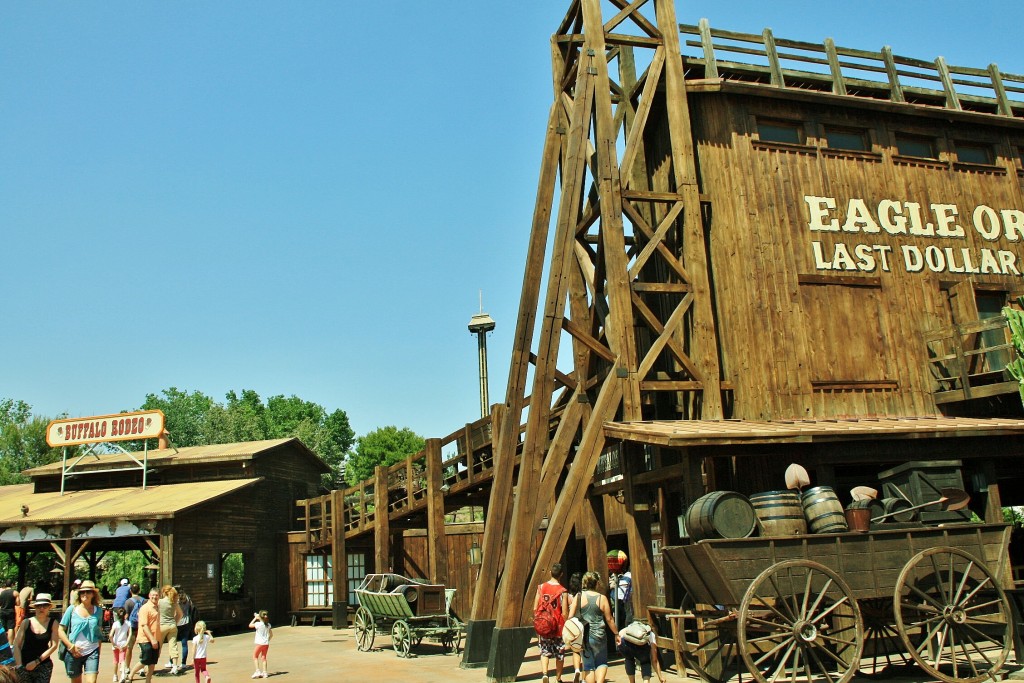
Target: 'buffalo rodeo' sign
939,222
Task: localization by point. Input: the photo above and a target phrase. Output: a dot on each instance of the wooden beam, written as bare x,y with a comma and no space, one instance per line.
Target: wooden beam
437,542
381,521
339,559
498,507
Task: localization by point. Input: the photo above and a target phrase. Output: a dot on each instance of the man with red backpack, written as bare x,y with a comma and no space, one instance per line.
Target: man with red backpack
550,608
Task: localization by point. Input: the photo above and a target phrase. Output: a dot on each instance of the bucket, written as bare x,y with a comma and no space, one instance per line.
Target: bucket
872,504
779,513
899,506
722,514
823,511
858,519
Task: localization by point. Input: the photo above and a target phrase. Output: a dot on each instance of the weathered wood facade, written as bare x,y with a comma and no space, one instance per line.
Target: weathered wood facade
200,505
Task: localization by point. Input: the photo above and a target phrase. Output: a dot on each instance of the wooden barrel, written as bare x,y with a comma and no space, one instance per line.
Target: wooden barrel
779,513
899,506
722,514
823,511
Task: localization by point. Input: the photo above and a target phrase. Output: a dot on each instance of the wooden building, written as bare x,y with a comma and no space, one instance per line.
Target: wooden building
201,506
760,251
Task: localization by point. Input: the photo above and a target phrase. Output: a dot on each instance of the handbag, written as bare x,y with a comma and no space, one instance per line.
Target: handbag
61,651
637,633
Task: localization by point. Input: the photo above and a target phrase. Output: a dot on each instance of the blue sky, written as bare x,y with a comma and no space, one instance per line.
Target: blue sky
306,197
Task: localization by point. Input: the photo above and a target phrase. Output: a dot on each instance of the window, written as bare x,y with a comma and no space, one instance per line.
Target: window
915,146
232,575
356,574
973,153
990,306
319,581
789,132
847,138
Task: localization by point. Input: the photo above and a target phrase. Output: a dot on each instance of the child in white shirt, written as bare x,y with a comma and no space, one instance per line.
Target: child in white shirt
200,641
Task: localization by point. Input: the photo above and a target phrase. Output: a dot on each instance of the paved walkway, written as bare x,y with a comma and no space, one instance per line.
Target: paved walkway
308,654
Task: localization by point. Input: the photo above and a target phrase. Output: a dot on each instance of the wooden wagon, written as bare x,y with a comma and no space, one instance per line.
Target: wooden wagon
410,609
822,607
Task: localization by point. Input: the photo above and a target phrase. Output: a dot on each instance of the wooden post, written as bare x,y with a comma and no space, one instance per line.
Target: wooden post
895,89
838,82
381,521
952,101
708,45
339,560
638,534
437,543
1000,91
773,58
596,540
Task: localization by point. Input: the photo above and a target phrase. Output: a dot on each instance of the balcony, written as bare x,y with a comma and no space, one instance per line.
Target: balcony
968,361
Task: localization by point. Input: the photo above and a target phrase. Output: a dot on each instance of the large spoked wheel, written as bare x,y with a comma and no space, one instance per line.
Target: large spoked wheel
798,621
952,616
715,655
401,638
883,648
366,629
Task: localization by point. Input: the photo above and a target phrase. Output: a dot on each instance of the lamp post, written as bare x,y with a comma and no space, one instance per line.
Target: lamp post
480,324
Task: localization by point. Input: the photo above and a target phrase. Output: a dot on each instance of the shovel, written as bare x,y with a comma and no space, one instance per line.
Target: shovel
952,499
863,493
797,477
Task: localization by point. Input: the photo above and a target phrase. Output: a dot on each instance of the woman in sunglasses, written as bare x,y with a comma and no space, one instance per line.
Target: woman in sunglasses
80,632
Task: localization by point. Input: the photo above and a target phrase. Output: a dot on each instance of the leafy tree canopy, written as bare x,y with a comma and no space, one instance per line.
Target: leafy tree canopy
195,419
22,441
384,446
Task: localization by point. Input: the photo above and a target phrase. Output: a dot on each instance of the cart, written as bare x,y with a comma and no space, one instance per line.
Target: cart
410,609
820,607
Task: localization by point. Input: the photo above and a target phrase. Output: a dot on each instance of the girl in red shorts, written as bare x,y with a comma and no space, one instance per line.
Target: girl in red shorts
200,641
261,622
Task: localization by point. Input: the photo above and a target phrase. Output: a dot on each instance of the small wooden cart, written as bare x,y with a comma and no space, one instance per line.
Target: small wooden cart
410,609
820,607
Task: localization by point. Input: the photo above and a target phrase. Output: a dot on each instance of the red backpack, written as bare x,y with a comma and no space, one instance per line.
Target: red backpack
547,618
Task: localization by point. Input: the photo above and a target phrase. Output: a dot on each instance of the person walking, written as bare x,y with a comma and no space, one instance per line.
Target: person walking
575,582
132,604
8,601
264,633
122,593
200,642
24,602
119,633
149,636
595,613
644,655
35,641
170,615
186,626
81,632
550,608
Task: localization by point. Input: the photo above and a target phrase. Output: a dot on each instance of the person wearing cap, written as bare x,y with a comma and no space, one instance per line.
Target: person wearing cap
81,632
35,641
123,592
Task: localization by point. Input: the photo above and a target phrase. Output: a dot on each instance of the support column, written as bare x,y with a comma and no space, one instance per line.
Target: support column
381,521
339,561
437,541
638,534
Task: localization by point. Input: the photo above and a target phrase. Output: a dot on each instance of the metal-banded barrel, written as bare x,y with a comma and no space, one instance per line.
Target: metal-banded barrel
899,507
779,513
823,511
722,514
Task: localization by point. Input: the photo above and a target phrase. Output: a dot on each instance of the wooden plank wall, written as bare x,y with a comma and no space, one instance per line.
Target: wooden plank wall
799,342
411,560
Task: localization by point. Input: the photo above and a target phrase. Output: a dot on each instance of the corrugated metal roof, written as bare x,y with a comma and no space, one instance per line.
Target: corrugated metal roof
723,432
102,504
244,450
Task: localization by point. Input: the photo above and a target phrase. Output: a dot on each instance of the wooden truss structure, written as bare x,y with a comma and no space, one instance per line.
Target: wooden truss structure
626,284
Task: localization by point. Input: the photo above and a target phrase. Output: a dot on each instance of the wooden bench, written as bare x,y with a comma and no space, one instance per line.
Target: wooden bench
313,615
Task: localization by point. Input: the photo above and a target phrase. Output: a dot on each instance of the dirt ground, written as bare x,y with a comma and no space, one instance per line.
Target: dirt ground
315,653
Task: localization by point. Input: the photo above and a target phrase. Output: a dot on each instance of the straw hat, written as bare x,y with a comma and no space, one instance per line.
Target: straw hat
42,599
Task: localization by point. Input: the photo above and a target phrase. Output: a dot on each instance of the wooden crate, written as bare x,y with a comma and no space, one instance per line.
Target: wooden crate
922,481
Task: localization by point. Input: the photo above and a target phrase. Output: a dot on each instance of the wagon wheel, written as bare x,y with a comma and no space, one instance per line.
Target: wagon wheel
451,642
365,629
401,638
882,645
798,620
952,615
715,654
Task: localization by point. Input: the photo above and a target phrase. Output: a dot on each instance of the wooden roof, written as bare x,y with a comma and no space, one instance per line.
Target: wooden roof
154,502
725,432
191,455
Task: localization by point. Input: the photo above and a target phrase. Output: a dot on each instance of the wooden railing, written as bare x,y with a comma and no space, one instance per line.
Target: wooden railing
969,360
827,67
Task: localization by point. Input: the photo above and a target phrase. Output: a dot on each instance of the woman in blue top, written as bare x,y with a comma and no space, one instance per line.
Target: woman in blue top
594,611
81,634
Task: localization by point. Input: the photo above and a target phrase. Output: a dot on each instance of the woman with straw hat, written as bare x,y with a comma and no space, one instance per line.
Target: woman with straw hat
81,633
35,641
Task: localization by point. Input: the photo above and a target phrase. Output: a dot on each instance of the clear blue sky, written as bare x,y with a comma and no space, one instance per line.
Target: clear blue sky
306,197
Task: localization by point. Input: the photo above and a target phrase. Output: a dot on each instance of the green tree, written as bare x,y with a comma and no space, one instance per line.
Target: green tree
383,446
22,442
186,416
